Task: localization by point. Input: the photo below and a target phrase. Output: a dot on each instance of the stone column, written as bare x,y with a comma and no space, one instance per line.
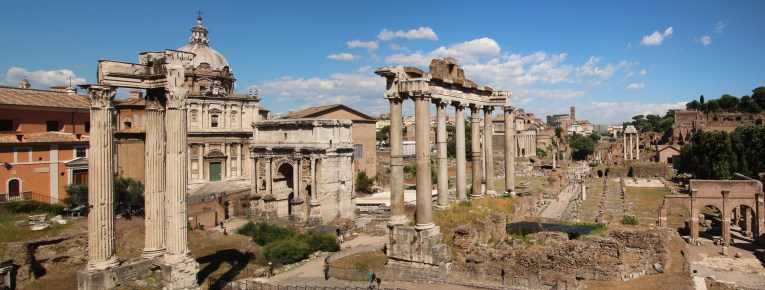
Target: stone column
398,216
254,189
201,161
101,249
759,211
637,146
476,154
725,216
424,214
747,216
154,168
510,151
269,173
461,158
694,220
240,159
182,266
442,166
227,169
488,134
624,144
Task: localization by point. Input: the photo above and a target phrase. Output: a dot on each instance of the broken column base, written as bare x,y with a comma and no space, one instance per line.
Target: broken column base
113,277
426,246
96,279
180,272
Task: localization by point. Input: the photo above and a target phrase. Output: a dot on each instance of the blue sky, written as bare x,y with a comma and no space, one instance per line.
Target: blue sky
610,59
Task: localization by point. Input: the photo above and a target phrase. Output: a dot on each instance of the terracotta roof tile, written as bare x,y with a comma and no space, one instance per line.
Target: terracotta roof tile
41,98
8,139
45,137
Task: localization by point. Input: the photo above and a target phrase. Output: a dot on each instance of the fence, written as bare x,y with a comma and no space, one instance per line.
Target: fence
28,195
255,285
222,281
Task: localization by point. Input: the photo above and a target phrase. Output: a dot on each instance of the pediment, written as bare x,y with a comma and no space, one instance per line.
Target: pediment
215,154
79,162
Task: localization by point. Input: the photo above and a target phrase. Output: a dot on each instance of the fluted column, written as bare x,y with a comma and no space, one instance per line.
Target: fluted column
637,146
240,159
398,216
254,189
154,169
461,159
227,169
269,173
424,215
201,161
443,178
184,267
476,148
632,155
488,134
509,151
624,143
101,249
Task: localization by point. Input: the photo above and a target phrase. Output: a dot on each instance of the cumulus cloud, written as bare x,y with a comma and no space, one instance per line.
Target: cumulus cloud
705,40
369,45
42,79
635,86
643,72
657,38
343,56
617,112
554,94
515,70
361,89
592,70
720,27
466,52
419,33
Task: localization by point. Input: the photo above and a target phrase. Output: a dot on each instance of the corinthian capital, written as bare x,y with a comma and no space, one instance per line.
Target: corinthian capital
509,108
101,97
176,97
154,102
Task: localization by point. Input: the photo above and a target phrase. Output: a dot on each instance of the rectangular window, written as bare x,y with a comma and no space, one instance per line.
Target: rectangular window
52,126
80,152
214,121
87,127
358,151
6,125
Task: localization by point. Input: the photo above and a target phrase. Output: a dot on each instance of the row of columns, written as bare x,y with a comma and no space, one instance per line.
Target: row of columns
226,171
527,142
424,217
633,150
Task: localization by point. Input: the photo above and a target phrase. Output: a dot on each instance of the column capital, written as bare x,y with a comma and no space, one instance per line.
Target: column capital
458,105
101,97
395,98
154,102
509,109
423,96
488,108
439,103
725,193
176,97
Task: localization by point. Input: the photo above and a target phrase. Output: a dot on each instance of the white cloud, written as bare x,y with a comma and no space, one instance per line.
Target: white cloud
531,94
369,45
657,38
613,112
635,86
515,70
720,27
706,40
419,33
42,79
591,69
343,56
361,89
643,72
466,52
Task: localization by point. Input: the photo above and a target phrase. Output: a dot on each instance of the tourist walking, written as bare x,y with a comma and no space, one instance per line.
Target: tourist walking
372,277
270,269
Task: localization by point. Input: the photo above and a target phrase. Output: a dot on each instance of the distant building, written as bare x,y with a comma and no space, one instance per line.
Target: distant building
689,121
43,142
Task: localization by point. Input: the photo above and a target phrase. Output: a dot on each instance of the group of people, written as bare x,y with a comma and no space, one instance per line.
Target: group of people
374,278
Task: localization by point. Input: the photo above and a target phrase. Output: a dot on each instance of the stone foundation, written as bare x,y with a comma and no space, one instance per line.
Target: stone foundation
408,271
111,278
180,272
419,246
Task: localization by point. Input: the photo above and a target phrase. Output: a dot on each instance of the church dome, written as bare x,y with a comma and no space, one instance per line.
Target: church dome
199,45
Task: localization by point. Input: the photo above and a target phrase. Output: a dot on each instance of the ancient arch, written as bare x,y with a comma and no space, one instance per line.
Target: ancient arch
600,173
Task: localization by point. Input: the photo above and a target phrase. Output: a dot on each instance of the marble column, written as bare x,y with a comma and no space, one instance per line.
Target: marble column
269,173
461,158
624,144
725,214
637,146
240,159
630,147
509,151
254,186
201,162
424,214
488,133
101,248
227,169
154,168
476,150
442,166
183,266
398,216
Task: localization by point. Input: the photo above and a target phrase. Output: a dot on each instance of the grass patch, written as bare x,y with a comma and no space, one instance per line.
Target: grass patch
629,220
9,232
646,201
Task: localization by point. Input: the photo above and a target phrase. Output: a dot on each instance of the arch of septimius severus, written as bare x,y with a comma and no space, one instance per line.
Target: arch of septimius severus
444,85
162,74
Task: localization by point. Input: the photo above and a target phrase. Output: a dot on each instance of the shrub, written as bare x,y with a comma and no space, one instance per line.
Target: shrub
363,182
629,220
466,203
34,207
320,241
286,251
264,233
76,195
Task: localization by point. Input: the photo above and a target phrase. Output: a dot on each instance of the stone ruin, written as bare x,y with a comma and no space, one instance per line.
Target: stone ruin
553,259
421,246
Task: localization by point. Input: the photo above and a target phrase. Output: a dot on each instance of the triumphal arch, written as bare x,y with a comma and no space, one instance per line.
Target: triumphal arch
739,200
444,85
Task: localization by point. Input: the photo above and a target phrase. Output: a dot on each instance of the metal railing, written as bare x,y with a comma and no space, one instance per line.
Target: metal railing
28,195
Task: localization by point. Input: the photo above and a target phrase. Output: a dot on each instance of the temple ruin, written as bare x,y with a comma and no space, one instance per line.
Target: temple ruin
444,85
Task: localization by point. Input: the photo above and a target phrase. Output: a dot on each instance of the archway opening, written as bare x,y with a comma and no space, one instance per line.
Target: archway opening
285,174
679,218
600,173
743,222
710,222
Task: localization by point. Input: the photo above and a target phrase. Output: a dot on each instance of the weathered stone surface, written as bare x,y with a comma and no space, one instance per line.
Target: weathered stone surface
29,257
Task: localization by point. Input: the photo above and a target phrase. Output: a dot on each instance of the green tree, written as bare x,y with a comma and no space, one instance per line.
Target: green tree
363,182
581,147
558,131
451,144
709,156
383,134
595,136
758,96
541,152
76,195
128,191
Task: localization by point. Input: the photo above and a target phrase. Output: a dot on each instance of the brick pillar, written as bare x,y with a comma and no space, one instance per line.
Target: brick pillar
725,216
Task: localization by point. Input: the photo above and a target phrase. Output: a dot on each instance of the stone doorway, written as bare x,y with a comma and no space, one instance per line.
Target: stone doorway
215,171
14,187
